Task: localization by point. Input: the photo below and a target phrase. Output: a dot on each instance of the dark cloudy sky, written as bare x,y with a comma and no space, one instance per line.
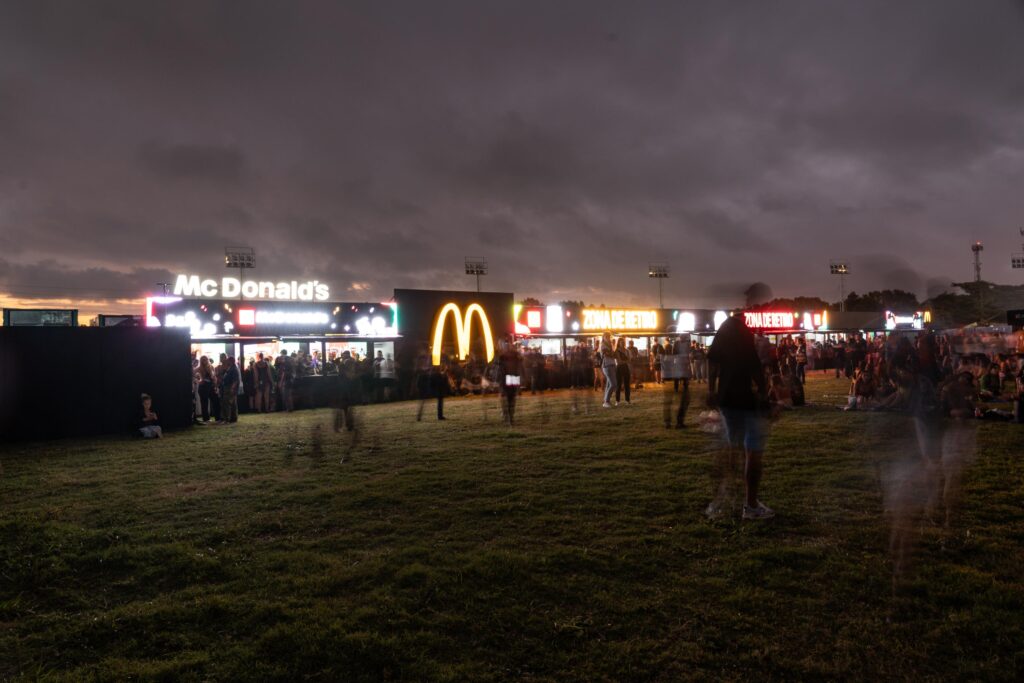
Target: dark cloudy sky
374,145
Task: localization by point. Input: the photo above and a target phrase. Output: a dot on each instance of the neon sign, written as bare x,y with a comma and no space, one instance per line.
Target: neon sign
248,317
915,321
555,319
463,326
231,287
769,320
619,319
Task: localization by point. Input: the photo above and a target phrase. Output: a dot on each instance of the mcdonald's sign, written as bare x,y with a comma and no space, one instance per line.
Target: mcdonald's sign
463,329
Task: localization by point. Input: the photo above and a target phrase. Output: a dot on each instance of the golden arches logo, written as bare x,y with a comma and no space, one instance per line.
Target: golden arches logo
462,330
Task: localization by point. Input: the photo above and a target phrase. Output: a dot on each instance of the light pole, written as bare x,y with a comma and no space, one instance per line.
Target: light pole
164,286
658,271
977,248
842,270
1017,260
241,258
476,266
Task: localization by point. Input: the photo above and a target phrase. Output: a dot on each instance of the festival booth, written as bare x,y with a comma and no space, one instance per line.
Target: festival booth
556,328
245,318
40,317
439,324
873,323
552,332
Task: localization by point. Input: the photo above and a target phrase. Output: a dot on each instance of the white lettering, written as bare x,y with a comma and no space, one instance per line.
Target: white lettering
231,287
619,319
186,285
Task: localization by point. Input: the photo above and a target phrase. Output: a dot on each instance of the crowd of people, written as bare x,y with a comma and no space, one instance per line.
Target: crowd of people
892,373
268,383
750,378
877,369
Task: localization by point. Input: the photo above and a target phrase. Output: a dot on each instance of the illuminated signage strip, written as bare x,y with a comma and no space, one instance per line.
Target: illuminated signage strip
769,320
291,318
619,319
231,287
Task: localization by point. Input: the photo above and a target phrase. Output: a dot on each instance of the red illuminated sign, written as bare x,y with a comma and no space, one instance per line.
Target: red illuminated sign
769,320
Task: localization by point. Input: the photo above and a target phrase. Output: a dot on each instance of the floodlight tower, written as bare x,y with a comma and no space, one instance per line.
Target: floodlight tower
1017,260
659,272
977,248
476,266
842,270
241,258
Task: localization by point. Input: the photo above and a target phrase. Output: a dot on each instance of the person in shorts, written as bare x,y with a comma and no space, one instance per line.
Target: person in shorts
737,388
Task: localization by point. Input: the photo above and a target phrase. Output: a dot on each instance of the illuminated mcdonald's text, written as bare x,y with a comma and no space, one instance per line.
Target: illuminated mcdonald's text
463,328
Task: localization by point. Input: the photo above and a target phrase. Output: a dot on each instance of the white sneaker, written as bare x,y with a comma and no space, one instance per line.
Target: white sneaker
606,405
713,510
759,511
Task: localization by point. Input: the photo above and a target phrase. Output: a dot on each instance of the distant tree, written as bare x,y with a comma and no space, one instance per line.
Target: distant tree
883,300
571,304
530,301
955,309
800,303
757,294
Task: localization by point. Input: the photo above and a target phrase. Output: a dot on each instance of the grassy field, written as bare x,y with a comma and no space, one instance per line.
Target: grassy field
567,548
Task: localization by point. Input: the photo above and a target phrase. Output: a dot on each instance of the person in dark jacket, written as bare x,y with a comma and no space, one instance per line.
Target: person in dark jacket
511,369
738,389
347,394
229,392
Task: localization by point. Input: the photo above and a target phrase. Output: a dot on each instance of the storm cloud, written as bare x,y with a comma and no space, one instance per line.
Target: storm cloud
375,145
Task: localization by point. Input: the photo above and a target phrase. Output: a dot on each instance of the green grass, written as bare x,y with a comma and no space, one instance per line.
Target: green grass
567,548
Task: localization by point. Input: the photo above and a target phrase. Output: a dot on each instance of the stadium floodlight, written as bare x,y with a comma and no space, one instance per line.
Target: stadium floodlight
241,258
841,269
476,266
659,272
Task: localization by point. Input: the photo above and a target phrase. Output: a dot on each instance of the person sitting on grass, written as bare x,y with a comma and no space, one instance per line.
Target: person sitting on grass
149,423
862,390
992,384
780,391
959,396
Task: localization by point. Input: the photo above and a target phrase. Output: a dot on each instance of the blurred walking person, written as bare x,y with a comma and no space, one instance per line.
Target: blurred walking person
623,376
264,385
680,369
229,393
737,388
207,380
285,367
510,364
607,354
347,397
431,382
